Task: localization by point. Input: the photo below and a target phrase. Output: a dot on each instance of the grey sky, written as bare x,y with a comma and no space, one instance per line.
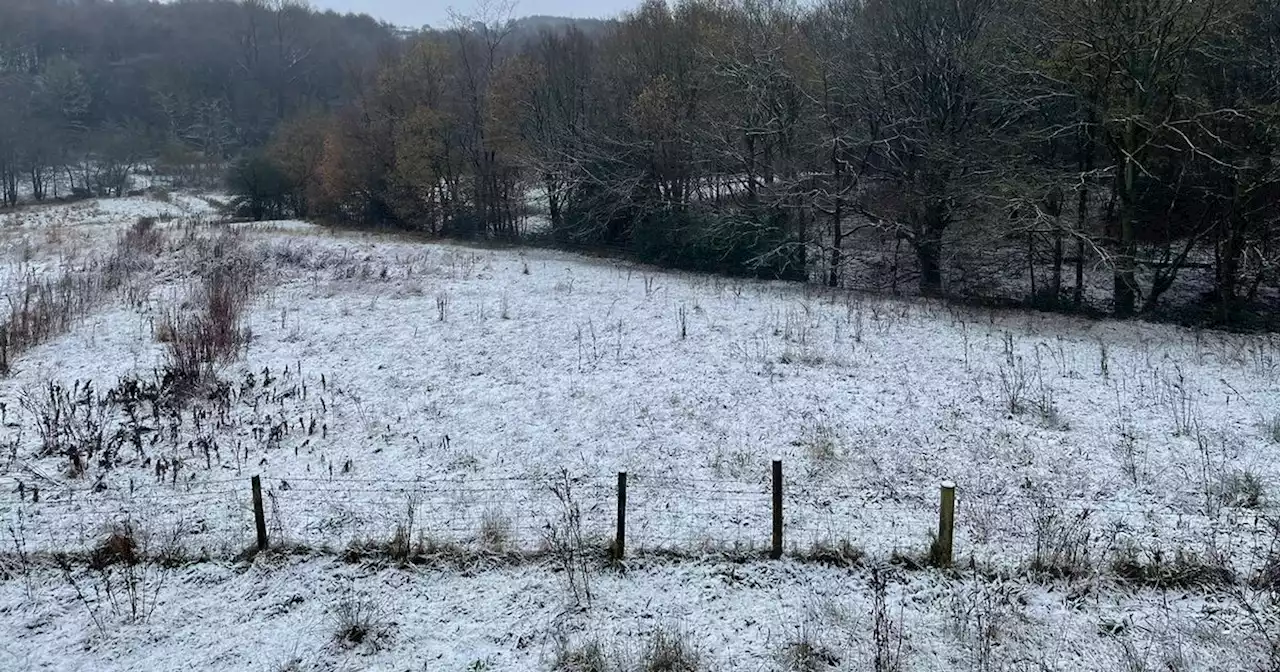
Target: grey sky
436,12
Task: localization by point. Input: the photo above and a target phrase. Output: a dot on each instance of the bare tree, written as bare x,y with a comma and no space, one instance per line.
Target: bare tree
1128,63
928,86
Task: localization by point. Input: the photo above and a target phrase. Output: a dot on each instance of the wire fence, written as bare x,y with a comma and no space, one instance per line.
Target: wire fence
663,512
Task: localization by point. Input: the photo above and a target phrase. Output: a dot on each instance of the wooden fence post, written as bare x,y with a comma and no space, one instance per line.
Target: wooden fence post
946,525
620,540
776,553
259,515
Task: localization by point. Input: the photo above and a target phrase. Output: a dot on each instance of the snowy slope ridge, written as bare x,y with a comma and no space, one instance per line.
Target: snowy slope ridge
442,396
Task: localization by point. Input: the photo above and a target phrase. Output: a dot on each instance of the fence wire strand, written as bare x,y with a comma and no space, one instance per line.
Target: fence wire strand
663,512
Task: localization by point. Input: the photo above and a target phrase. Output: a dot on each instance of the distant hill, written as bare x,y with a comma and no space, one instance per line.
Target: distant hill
528,27
537,24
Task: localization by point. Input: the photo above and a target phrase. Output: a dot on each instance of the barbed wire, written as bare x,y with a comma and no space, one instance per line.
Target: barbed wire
662,511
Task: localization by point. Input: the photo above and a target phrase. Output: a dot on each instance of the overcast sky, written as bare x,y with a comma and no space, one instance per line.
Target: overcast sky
416,13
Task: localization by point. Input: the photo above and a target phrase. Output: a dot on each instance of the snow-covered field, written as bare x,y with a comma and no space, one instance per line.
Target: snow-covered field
282,613
457,392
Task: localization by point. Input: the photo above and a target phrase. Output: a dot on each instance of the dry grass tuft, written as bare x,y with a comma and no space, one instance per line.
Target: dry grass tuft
213,332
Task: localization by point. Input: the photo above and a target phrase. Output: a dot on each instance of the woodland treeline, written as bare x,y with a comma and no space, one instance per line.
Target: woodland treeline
91,91
1115,155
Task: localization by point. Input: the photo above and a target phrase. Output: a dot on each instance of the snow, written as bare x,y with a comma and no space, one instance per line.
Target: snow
464,379
40,241
280,611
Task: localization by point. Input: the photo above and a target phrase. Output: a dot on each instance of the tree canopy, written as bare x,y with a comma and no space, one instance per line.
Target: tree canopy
1112,155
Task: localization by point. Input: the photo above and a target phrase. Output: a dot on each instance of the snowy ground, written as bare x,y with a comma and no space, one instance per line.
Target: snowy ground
385,374
283,614
38,241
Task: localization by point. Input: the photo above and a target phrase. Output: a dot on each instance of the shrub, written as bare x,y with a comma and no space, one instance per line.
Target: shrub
735,243
212,334
821,445
886,633
589,656
1268,576
1015,384
1243,489
668,651
1182,570
359,623
401,547
44,308
119,546
125,577
747,241
260,189
495,531
841,553
1063,542
143,237
567,544
806,655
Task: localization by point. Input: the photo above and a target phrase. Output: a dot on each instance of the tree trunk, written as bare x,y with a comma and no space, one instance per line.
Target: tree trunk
837,240
554,210
1125,290
1082,220
1126,284
929,255
37,182
928,245
893,269
1077,297
1055,281
837,212
1125,280
1031,262
1085,150
803,257
9,178
1229,253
